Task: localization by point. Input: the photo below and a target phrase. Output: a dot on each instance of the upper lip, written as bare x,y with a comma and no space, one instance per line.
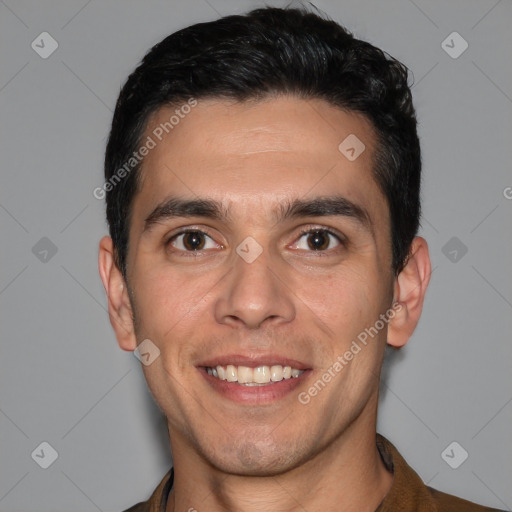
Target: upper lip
253,361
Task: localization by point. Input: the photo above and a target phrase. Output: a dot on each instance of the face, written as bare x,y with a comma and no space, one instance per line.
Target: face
258,247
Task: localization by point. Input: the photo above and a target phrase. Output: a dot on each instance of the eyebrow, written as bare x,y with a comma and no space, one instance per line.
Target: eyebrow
178,207
298,208
328,206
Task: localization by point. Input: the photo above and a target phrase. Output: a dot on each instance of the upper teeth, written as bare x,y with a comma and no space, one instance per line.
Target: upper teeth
253,376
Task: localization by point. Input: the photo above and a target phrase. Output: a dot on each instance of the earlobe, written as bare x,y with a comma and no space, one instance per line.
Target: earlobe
410,288
119,307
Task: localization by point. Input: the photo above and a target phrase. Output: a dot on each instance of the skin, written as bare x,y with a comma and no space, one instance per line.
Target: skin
301,303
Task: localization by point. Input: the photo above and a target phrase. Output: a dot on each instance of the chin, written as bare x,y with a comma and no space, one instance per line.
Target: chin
245,457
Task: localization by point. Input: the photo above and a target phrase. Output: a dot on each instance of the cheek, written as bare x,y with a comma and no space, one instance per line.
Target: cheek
346,298
164,302
173,289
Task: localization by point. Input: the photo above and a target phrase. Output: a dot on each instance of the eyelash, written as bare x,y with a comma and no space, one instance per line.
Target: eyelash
311,230
304,231
184,232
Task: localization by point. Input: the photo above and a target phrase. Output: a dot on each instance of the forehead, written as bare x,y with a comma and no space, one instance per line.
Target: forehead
250,154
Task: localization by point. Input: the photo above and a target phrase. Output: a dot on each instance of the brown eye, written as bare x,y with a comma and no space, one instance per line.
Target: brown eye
191,241
318,241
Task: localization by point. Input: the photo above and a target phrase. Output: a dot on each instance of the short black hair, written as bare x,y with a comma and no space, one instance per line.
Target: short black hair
269,52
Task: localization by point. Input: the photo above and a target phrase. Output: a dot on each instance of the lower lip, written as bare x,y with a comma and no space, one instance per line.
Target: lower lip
257,395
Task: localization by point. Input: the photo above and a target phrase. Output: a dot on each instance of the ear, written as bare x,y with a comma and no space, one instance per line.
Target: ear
119,307
409,292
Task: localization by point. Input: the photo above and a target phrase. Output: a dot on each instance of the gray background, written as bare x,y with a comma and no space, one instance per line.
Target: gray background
64,380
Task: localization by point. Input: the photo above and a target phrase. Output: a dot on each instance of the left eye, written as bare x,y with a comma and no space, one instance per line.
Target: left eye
192,241
317,240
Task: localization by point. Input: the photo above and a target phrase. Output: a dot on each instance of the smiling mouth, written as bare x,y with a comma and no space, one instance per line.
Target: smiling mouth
258,376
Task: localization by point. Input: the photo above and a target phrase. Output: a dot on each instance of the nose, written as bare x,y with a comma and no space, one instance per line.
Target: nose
255,294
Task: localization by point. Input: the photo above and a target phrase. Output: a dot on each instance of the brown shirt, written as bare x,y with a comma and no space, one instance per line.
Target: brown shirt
407,493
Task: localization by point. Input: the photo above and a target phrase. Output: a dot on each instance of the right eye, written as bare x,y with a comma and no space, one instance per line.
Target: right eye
192,241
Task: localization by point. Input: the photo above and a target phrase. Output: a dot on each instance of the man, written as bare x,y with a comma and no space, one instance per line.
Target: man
263,184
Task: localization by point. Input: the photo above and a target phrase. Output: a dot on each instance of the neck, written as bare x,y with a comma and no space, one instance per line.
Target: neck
349,474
